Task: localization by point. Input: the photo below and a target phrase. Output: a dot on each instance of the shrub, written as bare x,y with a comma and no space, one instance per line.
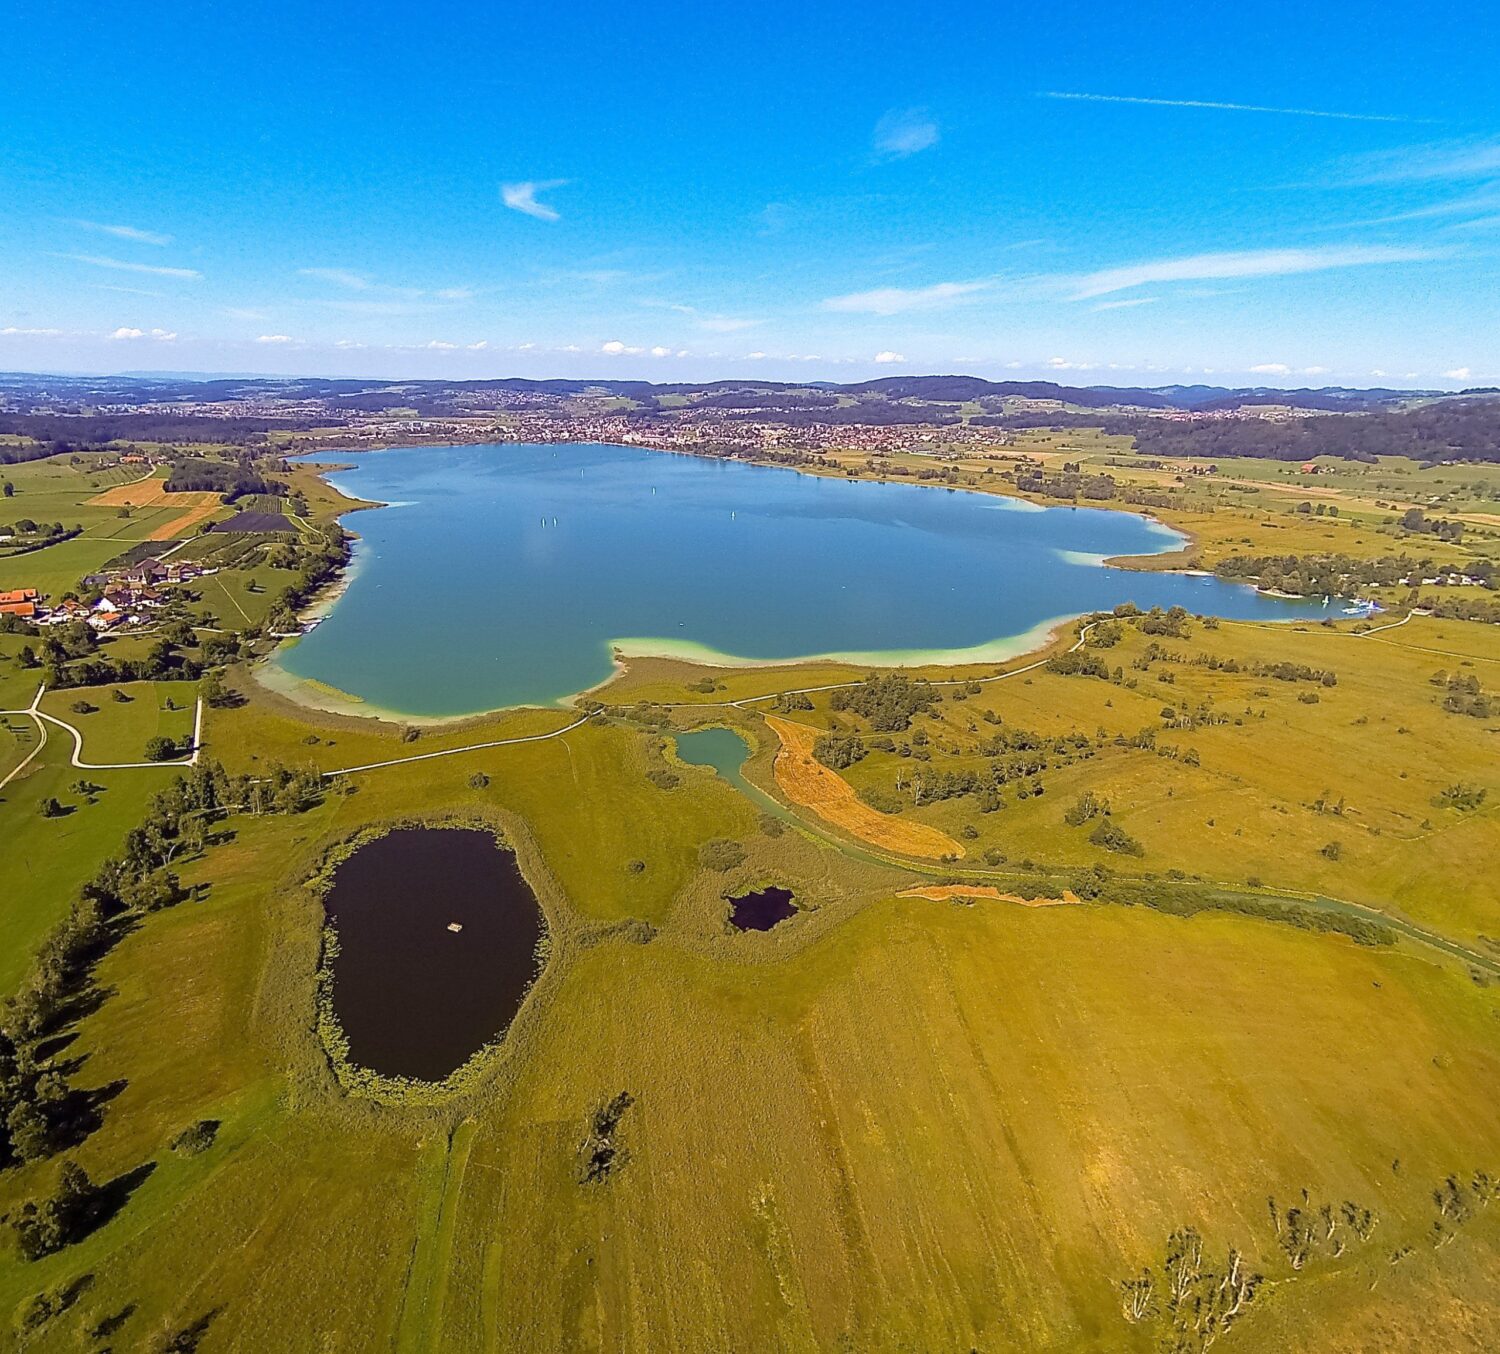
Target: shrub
839,750
1112,837
196,1138
720,853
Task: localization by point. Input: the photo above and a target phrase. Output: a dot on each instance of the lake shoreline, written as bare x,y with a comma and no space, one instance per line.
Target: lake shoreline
321,695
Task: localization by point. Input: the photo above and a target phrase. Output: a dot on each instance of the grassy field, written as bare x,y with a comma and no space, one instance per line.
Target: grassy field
892,1122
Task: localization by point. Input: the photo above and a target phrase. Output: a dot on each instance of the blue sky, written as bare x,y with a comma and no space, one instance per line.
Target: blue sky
1102,194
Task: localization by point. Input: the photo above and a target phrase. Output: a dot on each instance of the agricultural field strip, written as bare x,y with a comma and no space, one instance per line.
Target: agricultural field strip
38,714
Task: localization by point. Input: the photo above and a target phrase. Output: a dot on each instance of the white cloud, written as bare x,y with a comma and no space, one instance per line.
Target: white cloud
29,333
131,233
274,338
124,332
1459,374
480,346
755,356
120,265
521,197
1452,160
340,277
348,343
1125,305
682,352
659,351
164,335
899,300
1314,371
1377,373
1225,107
440,345
904,131
889,356
1271,369
1243,263
615,348
1063,364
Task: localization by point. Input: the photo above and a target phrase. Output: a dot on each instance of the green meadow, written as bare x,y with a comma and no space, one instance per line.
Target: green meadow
886,1124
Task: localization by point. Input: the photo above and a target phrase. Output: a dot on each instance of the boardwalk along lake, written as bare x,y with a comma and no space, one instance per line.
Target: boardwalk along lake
505,575
437,935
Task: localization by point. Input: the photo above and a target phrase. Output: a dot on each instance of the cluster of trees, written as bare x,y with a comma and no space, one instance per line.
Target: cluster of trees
58,434
232,479
1191,1303
1182,900
839,750
28,535
1450,431
889,703
1336,575
1081,663
1463,694
163,662
1068,484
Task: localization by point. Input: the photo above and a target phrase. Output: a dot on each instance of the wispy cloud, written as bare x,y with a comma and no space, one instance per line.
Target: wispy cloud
1270,369
340,277
521,197
1220,107
18,331
900,300
123,266
1244,263
903,132
1450,160
888,356
275,338
1126,304
131,233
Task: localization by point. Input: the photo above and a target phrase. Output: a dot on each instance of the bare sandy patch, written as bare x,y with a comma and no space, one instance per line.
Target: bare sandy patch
811,785
940,893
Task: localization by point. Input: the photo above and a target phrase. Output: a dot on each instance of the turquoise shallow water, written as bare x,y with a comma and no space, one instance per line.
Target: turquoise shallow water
501,575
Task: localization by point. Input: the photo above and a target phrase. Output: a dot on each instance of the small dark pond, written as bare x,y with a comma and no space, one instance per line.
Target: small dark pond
416,997
762,909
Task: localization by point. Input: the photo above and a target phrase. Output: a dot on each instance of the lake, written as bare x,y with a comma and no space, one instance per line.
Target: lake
506,575
437,932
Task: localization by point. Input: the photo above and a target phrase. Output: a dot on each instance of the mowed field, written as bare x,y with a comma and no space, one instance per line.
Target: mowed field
811,785
890,1124
186,511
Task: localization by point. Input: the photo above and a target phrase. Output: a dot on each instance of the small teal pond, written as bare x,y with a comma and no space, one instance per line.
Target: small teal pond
504,575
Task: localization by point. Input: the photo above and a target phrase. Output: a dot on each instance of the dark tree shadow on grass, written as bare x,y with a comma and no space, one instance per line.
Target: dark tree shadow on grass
186,1339
111,1197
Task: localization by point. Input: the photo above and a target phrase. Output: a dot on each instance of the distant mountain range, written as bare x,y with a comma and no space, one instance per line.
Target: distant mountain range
153,387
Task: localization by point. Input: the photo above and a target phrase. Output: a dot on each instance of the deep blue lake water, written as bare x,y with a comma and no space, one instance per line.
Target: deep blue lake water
502,575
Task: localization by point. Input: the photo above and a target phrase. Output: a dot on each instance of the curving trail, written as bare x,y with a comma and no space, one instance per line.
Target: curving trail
35,711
